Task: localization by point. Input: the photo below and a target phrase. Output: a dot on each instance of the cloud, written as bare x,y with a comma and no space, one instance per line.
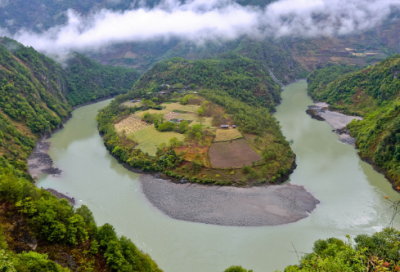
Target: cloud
204,20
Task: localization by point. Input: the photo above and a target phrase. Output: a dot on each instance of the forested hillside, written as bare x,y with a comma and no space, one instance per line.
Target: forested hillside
374,94
39,232
241,77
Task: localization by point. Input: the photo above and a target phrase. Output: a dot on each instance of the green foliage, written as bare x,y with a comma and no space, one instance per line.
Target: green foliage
183,127
378,252
237,269
372,93
167,126
240,77
319,78
55,221
88,80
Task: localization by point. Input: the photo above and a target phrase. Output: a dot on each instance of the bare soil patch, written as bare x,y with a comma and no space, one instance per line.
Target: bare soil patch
232,154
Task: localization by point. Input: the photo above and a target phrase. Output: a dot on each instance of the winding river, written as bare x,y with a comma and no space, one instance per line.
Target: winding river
350,191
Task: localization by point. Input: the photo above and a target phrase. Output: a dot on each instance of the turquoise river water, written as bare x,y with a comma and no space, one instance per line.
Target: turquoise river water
350,191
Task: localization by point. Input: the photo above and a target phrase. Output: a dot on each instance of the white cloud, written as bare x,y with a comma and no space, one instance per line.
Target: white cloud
202,20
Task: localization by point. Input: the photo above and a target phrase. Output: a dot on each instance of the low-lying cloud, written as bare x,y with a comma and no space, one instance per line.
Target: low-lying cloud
204,20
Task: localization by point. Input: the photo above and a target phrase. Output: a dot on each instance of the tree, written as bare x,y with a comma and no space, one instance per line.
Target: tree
183,127
174,142
167,126
237,269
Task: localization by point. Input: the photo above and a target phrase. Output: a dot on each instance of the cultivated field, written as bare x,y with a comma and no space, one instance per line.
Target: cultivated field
224,135
130,125
235,154
149,139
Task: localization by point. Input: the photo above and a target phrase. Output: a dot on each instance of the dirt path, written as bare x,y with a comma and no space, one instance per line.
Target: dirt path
229,206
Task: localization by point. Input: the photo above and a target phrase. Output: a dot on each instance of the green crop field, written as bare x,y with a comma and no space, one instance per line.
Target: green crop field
149,139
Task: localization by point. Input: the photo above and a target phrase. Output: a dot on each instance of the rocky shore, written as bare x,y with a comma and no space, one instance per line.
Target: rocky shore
229,206
71,200
39,162
319,111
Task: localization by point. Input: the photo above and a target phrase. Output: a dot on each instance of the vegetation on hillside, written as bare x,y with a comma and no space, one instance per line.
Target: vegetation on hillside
377,252
374,94
39,232
241,77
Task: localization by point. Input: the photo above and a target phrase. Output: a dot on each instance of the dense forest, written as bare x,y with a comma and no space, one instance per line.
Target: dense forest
373,94
39,232
241,77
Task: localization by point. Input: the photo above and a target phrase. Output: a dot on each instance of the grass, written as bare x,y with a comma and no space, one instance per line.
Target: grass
149,139
171,108
207,122
224,135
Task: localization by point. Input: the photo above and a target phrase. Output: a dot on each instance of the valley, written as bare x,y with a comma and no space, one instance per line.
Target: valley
176,135
330,170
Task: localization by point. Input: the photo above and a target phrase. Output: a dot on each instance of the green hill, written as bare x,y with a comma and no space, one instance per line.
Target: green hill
374,94
39,232
204,94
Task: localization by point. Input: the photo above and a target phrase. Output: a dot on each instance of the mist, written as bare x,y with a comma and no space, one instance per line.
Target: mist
209,20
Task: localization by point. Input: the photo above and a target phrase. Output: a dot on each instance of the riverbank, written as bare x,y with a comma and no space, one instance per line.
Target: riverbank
229,206
320,111
39,162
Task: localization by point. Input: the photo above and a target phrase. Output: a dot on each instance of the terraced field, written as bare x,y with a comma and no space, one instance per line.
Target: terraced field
130,125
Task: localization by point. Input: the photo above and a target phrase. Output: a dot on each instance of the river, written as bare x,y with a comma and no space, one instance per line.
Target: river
350,191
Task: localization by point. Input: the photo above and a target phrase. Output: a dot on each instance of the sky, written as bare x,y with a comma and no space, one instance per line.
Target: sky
207,20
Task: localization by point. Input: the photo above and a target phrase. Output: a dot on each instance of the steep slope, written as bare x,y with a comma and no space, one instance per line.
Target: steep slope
374,94
39,232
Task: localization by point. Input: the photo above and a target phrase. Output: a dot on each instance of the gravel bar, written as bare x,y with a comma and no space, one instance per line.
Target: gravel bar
229,206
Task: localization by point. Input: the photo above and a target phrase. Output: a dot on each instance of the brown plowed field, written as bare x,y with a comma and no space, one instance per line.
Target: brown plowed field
226,154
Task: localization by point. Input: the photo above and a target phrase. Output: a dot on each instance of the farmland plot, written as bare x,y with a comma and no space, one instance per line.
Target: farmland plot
235,154
149,139
130,125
